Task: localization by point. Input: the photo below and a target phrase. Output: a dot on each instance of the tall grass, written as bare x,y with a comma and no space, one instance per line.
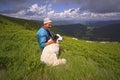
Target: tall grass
19,57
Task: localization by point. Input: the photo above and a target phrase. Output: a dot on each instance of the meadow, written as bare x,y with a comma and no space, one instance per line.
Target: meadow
20,56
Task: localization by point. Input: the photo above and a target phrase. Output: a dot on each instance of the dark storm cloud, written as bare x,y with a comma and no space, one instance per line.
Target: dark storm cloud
102,6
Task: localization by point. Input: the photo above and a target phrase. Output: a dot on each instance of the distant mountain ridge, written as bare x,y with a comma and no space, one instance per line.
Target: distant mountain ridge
72,29
92,23
104,33
110,32
101,23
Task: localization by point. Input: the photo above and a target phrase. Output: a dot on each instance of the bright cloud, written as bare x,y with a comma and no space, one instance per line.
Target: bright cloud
37,12
78,14
37,9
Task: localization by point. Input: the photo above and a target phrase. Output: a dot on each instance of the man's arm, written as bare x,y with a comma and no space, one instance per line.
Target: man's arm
49,42
44,43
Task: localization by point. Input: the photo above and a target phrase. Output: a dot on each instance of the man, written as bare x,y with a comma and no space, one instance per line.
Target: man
44,34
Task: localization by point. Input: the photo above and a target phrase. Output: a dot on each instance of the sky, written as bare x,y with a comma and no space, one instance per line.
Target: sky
62,9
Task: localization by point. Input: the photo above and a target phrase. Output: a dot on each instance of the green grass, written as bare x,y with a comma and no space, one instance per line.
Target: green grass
20,57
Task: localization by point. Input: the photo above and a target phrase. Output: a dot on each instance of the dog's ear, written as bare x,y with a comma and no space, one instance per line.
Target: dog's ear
55,38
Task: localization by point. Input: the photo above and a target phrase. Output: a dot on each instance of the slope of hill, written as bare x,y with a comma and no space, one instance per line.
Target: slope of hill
19,57
28,24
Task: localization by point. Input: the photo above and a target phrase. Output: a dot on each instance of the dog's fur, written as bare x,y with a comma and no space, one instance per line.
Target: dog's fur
50,53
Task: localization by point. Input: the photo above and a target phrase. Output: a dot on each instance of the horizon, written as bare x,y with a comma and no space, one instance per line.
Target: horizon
72,22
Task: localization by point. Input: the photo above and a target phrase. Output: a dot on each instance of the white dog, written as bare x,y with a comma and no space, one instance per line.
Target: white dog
50,53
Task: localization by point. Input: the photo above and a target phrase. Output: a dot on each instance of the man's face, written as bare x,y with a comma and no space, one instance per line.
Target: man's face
48,25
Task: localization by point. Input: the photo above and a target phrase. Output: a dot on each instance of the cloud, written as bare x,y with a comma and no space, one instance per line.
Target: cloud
69,1
97,6
103,6
100,6
70,13
25,7
77,14
33,12
36,11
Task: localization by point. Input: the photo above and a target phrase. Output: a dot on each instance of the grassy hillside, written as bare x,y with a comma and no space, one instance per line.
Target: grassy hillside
19,57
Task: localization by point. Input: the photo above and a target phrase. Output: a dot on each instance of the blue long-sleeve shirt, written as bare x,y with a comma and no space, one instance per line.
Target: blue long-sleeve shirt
42,37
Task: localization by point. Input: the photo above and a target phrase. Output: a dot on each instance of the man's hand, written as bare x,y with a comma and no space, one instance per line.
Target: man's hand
50,42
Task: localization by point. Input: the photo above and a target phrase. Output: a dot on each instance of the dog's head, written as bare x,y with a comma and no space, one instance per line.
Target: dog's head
58,38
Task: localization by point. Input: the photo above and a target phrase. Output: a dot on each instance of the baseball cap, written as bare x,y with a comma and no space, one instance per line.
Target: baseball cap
47,20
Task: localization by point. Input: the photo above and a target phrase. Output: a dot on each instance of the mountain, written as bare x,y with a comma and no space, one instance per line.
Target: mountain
92,23
20,56
75,30
109,32
101,23
65,22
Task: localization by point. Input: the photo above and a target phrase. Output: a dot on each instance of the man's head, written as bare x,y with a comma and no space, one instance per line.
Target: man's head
47,23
